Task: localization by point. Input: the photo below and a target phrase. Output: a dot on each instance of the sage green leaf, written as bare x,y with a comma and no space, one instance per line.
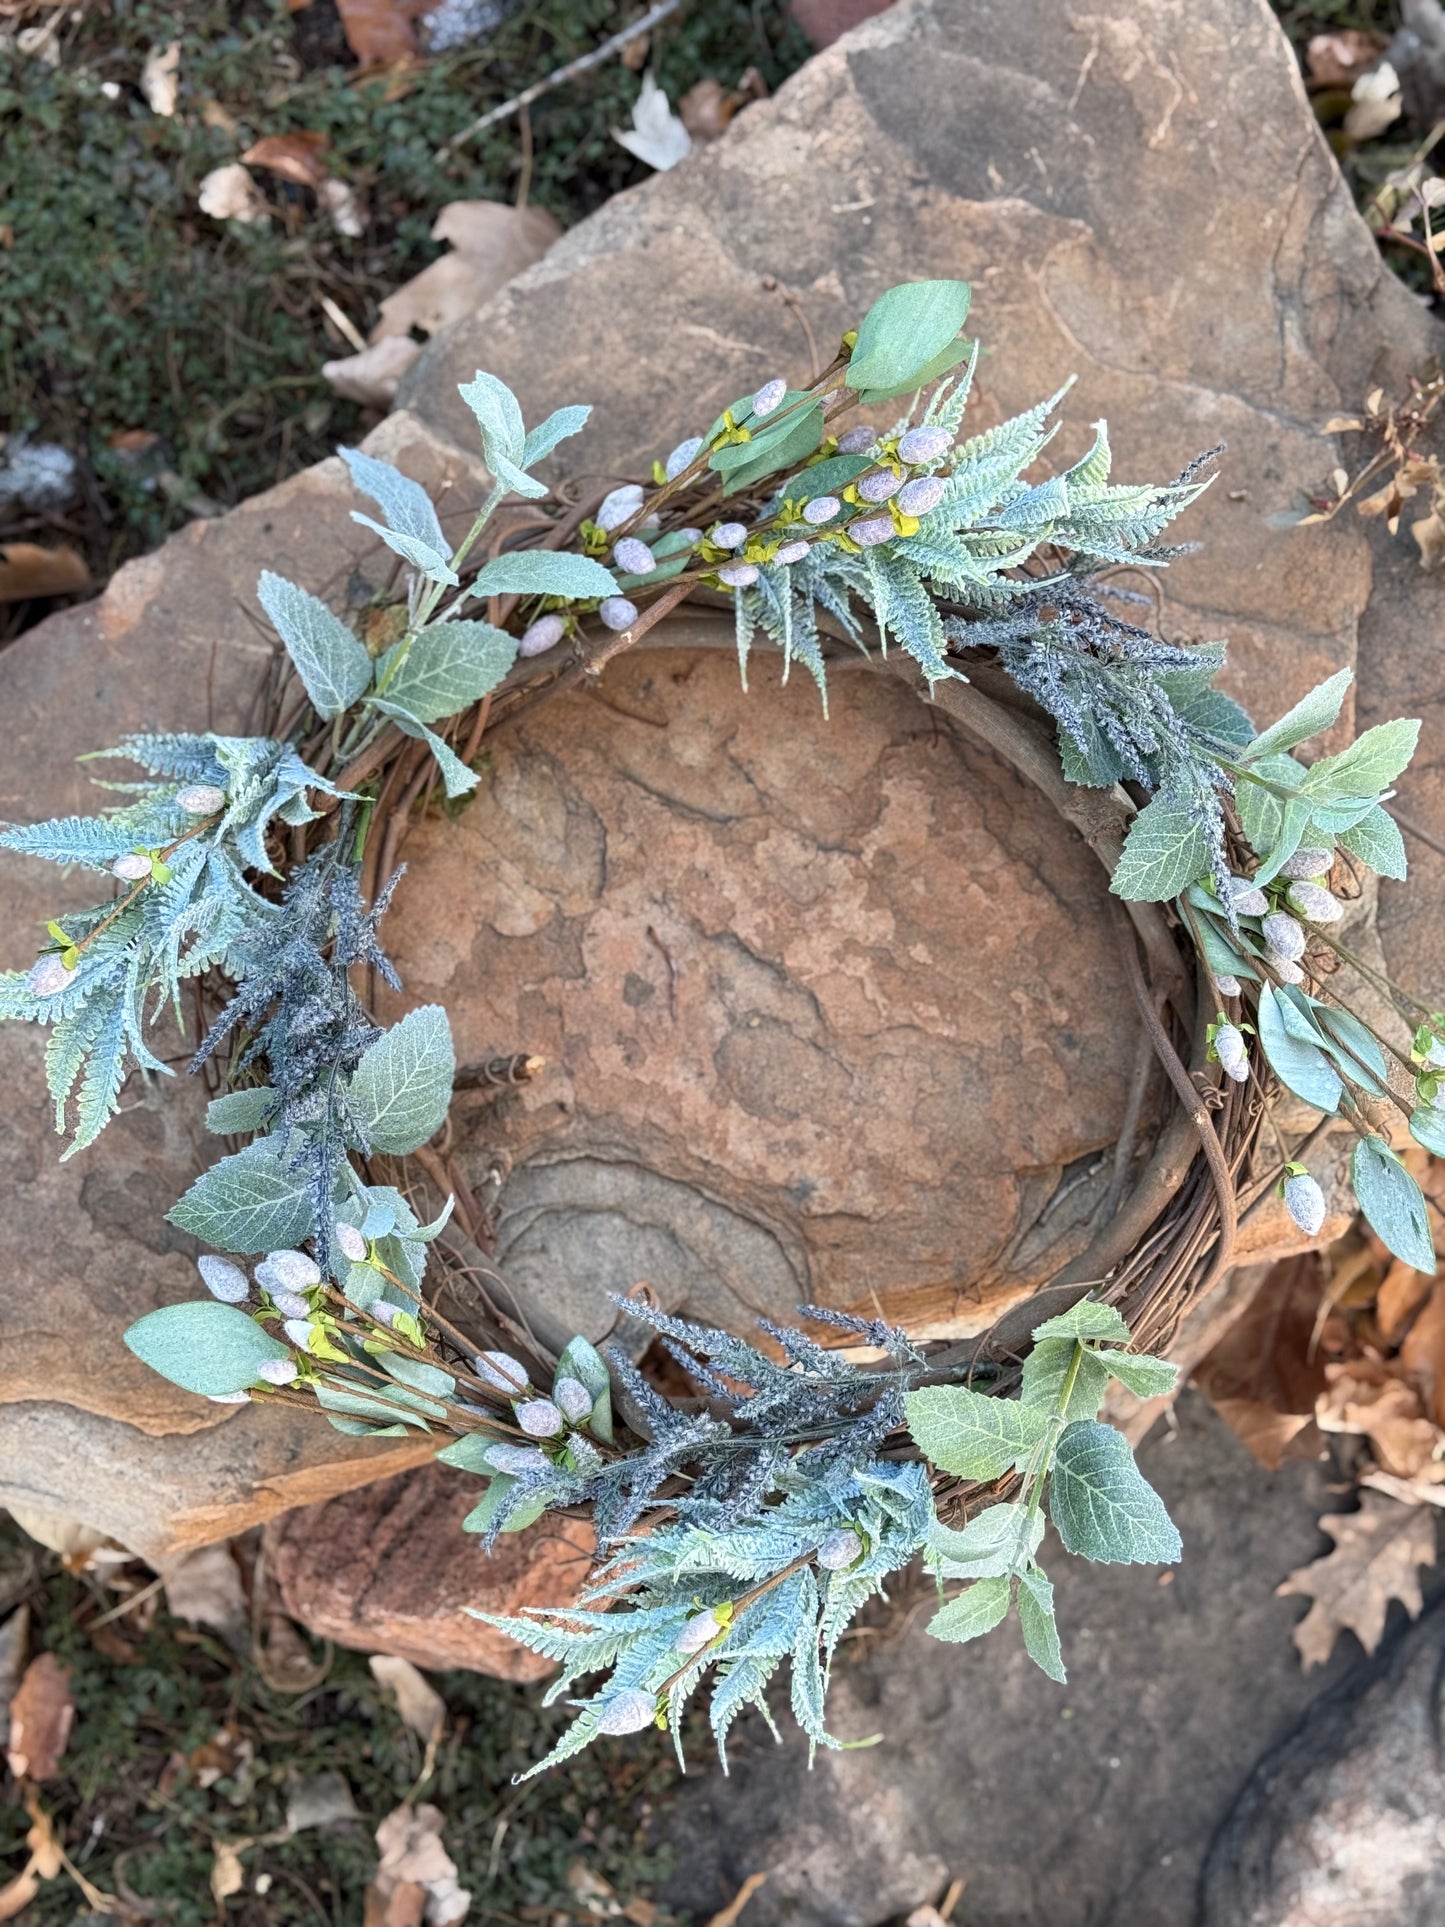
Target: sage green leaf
1086,1319
1376,840
1039,1627
582,1360
238,1111
1371,763
480,1518
469,1454
204,1346
1001,1540
332,665
1050,1365
906,328
975,1611
1354,1047
457,779
445,668
499,416
1393,1204
1310,715
1103,1506
544,572
429,1380
946,358
403,1084
559,425
1144,1375
1260,811
971,1434
792,441
1427,1127
250,1201
827,478
1220,952
1165,850
399,1406
1300,1066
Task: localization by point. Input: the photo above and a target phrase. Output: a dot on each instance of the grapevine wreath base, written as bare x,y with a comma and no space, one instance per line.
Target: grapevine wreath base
744,1522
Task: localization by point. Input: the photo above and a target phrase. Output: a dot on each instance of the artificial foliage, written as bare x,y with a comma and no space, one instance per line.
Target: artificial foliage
742,1526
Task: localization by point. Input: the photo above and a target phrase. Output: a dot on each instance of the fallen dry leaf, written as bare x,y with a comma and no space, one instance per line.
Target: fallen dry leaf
1338,59
417,1876
417,1700
17,1894
228,1876
344,208
41,1716
593,1894
320,1800
1423,1353
728,1916
371,377
27,570
1402,1291
298,157
1261,1377
1367,1399
656,136
706,108
205,1588
444,291
229,194
1376,1552
378,32
490,244
160,79
1429,534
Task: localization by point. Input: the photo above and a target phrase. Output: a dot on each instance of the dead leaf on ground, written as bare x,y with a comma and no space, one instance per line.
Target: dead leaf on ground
41,1716
490,244
1423,1353
205,1588
656,137
229,194
298,157
228,1876
593,1894
728,1916
372,377
1260,1377
1366,1398
27,570
1375,103
417,1700
344,208
44,1863
379,32
1375,1556
1429,534
319,1800
1402,1291
1338,59
707,108
417,1876
160,79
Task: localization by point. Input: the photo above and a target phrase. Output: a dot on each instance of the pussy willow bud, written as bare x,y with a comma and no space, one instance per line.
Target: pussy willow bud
1227,986
289,1303
1284,935
878,485
539,1418
1314,903
515,1458
1307,863
1285,968
683,456
858,440
626,1712
1232,1052
872,530
350,1243
738,575
1305,1202
616,612
770,396
540,636
298,1330
690,535
574,1398
822,508
792,551
921,497
730,535
276,1371
224,1280
228,1398
634,557
501,1371
839,1550
699,1631
1246,898
131,868
48,977
294,1269
620,506
200,799
924,444
383,1313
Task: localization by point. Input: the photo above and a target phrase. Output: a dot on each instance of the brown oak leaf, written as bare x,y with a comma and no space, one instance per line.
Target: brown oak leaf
1376,1552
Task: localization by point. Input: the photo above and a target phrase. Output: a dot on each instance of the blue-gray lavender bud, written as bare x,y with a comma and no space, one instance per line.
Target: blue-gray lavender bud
1305,1202
690,535
1227,986
1284,935
383,1313
922,496
922,445
48,977
200,799
350,1243
276,1371
626,1712
539,1418
1307,863
223,1279
872,530
683,456
770,396
540,636
634,557
131,868
501,1371
822,508
616,612
730,535
574,1398
792,552
738,575
1232,1052
1314,902
620,506
857,441
878,485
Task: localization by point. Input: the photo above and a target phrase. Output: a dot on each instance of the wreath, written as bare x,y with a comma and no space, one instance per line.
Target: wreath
745,1524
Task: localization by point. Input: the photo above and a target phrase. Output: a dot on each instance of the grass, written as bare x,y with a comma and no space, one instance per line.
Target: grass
155,1707
178,356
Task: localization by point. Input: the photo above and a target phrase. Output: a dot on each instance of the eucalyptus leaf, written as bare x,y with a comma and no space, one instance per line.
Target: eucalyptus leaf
1427,1127
498,1494
548,572
906,329
429,1380
1393,1204
204,1346
1302,1067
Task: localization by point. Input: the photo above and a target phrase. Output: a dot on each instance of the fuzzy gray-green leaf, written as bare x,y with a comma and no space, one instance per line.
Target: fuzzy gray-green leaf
1102,1504
403,1084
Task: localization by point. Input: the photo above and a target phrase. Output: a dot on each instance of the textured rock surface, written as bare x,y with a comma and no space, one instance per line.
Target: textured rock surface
389,1570
1342,1825
1078,1806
